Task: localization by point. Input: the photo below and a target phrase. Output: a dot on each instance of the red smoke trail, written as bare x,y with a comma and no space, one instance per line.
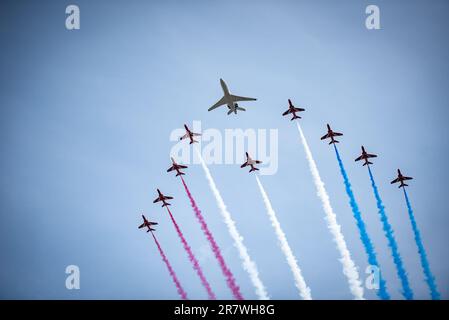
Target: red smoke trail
217,252
192,258
181,291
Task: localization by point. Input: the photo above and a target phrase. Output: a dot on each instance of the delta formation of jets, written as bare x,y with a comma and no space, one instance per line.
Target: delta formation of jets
230,101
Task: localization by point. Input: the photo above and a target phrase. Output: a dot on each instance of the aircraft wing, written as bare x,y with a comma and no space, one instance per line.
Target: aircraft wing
299,109
338,134
395,181
182,166
359,158
157,200
287,112
142,225
168,197
371,155
184,136
244,165
216,105
408,178
170,169
238,98
325,137
196,134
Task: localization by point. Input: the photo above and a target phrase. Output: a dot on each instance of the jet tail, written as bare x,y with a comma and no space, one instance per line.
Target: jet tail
193,141
335,141
295,117
403,185
253,169
180,174
368,162
166,204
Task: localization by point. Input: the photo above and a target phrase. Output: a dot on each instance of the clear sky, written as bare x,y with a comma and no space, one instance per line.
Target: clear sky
86,115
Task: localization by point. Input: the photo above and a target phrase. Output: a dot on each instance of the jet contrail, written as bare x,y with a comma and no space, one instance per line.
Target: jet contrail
402,274
369,248
349,269
430,279
181,291
304,291
192,258
248,264
215,248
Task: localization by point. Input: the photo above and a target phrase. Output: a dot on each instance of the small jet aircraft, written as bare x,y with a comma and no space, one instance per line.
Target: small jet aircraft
230,100
147,224
162,198
293,109
250,162
189,134
176,167
331,134
401,179
365,156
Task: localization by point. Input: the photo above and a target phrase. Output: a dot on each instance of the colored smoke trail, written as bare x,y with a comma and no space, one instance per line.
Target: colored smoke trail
215,248
192,258
402,274
369,248
181,291
349,269
248,264
300,283
430,279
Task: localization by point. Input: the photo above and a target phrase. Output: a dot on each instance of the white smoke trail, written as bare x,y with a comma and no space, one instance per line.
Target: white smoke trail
349,269
248,264
304,291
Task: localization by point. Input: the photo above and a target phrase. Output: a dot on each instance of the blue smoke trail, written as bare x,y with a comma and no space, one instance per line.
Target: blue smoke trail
369,248
402,274
430,279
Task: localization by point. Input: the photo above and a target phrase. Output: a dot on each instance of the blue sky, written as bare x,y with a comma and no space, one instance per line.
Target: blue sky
86,117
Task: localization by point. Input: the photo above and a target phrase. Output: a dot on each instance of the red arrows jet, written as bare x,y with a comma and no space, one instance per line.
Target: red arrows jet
250,162
147,224
162,198
365,156
331,134
176,167
401,179
189,135
293,109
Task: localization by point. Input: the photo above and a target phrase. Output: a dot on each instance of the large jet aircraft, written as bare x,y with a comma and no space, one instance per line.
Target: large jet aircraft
331,134
293,109
176,167
250,162
401,179
189,134
365,156
147,224
162,198
230,100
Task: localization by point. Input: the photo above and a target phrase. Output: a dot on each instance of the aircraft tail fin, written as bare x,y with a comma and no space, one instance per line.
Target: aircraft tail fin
368,162
166,204
334,141
295,117
180,174
193,141
253,169
403,185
